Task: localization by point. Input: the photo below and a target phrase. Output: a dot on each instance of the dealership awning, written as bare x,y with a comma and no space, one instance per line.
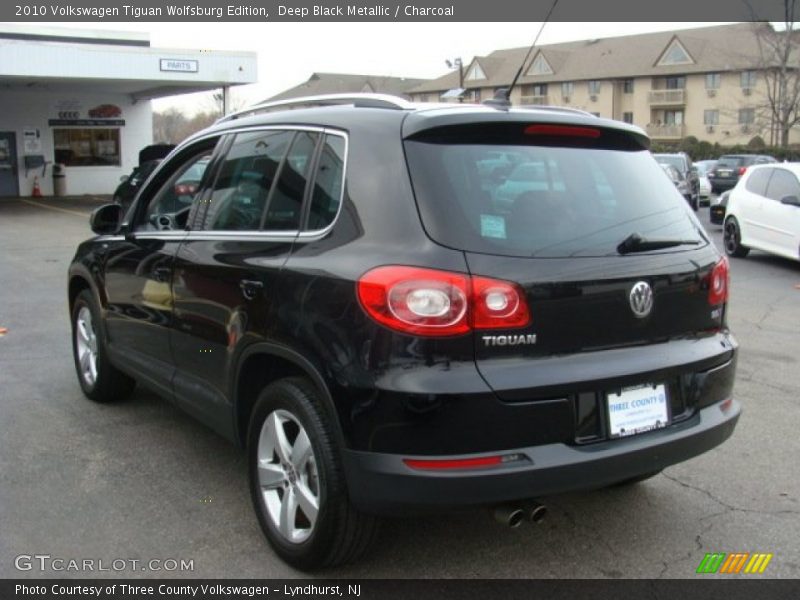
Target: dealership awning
61,60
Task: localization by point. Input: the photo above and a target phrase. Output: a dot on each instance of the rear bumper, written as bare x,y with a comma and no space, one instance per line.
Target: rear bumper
724,184
383,484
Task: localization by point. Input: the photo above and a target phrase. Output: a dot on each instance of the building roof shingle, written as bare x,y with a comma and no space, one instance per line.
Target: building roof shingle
714,49
343,83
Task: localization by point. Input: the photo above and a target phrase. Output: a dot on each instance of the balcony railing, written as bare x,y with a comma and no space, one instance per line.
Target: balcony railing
533,100
667,97
666,132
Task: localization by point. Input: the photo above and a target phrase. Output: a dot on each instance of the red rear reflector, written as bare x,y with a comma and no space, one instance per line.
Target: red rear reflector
719,282
437,303
725,405
462,463
563,130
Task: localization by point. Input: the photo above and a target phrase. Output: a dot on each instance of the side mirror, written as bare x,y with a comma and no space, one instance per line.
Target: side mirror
791,200
106,219
123,179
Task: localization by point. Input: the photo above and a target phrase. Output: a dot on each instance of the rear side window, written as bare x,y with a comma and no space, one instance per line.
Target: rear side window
757,182
242,188
327,192
782,184
286,201
554,201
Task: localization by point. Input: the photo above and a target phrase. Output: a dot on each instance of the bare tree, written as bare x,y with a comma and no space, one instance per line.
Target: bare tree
168,126
173,126
780,65
215,102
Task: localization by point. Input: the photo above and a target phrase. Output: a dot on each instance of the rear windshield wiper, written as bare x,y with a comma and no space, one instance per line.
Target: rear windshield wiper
636,243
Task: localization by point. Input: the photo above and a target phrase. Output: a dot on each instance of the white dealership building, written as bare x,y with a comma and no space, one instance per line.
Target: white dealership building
81,98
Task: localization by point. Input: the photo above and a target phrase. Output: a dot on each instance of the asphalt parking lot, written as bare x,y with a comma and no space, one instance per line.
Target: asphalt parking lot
140,480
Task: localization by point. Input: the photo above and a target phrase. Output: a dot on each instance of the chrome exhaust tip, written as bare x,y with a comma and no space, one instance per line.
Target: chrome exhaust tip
535,512
510,515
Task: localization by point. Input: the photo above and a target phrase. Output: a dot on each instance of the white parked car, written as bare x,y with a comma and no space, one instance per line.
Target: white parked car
703,167
764,211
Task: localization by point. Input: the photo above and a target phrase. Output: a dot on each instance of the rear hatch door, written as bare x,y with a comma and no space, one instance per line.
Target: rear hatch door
602,246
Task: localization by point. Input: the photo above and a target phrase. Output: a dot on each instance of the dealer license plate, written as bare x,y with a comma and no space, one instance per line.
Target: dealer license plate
637,409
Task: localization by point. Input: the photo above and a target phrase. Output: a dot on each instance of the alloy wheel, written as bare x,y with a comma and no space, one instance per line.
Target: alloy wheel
731,243
288,476
86,346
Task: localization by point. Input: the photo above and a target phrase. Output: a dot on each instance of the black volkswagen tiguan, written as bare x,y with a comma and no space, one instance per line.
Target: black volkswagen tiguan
388,327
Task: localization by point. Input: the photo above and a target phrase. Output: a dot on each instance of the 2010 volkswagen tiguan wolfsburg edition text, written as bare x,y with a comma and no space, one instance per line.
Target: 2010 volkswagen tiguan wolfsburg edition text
400,308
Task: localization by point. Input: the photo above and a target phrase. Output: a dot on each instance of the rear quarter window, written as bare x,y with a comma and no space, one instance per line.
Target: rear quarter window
757,182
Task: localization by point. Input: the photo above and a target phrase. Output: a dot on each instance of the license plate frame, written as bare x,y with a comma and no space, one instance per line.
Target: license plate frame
637,409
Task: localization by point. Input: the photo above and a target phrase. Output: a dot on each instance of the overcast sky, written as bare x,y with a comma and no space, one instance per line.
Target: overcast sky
288,53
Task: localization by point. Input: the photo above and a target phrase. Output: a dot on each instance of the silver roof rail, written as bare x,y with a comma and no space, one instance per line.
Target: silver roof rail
360,100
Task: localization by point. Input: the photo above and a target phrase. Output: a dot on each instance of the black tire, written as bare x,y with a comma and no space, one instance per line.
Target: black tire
637,479
732,239
340,533
109,383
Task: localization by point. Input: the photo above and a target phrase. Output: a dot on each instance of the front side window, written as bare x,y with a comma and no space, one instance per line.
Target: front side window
169,207
87,147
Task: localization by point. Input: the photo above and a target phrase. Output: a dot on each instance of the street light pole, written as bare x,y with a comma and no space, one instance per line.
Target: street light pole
459,64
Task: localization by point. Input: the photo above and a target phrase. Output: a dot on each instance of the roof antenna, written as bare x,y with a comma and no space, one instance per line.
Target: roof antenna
502,97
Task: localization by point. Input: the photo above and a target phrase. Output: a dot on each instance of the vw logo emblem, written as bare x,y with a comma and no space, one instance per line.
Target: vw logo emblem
641,298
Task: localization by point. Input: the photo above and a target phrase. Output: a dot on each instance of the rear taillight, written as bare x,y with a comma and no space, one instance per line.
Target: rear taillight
742,170
719,282
430,302
498,305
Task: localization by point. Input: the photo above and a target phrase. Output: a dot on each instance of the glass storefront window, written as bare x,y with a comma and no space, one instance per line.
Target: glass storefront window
87,147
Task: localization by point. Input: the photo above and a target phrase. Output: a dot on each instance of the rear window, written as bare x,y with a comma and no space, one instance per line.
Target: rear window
729,161
550,201
675,161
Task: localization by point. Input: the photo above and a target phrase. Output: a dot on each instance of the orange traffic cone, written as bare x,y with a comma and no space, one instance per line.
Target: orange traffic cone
37,193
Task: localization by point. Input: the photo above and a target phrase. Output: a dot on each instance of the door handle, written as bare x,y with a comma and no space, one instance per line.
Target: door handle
250,287
162,274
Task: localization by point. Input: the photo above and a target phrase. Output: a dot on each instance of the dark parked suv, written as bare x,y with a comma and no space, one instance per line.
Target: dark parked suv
730,167
348,296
